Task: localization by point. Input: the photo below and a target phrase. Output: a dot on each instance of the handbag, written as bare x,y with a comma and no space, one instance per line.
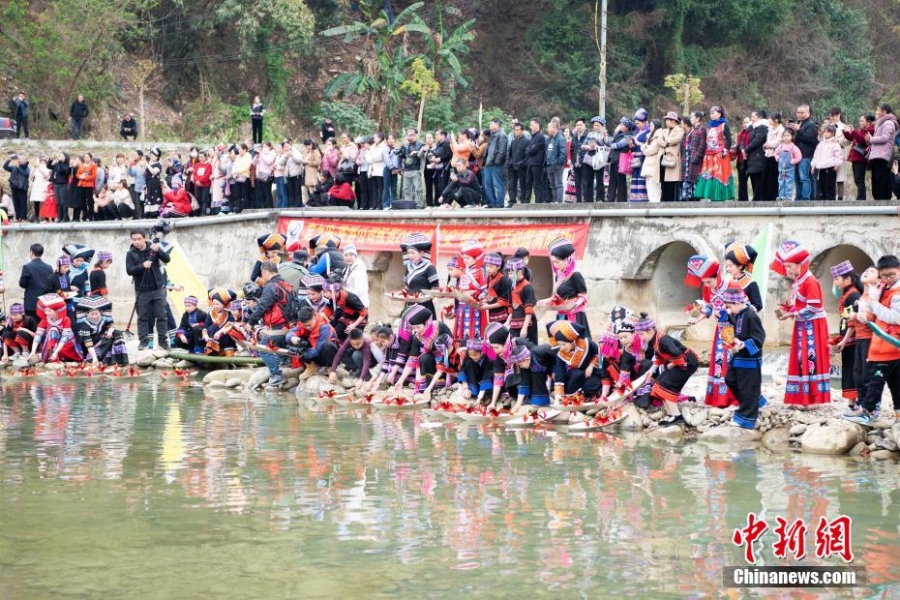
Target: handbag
668,161
347,166
600,158
195,205
625,161
861,149
637,162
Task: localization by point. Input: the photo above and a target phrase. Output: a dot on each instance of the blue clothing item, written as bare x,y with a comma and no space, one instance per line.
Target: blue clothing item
557,149
494,190
805,177
139,180
281,193
273,361
786,176
389,192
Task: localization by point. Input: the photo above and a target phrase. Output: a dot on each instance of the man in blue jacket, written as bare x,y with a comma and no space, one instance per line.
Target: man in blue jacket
557,149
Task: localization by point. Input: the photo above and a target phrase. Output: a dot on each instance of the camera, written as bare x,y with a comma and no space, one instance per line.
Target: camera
252,291
160,229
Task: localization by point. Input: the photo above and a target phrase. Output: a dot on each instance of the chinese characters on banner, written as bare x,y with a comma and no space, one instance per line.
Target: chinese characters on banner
386,236
832,538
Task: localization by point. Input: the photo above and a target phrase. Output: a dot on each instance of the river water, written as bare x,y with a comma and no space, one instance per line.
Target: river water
161,491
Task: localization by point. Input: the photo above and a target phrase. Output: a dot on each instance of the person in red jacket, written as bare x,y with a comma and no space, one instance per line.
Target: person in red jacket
342,194
203,182
176,202
859,151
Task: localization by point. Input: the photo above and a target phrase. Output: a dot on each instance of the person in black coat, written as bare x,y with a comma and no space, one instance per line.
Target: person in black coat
463,187
328,131
62,172
128,128
535,157
755,154
34,279
437,171
516,164
78,112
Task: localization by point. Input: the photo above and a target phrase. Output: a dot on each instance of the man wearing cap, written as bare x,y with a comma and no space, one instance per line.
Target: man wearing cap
34,279
295,270
144,264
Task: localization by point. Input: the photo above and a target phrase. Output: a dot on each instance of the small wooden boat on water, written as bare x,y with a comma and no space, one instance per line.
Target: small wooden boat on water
202,360
397,403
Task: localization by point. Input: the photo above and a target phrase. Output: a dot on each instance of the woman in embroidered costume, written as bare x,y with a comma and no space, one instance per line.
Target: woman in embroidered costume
420,273
100,341
636,360
854,335
349,310
425,331
569,289
498,291
744,376
60,283
809,367
577,367
739,261
271,245
702,270
611,351
674,366
81,257
533,366
219,320
716,181
476,374
642,132
468,319
189,335
54,338
522,321
97,278
18,333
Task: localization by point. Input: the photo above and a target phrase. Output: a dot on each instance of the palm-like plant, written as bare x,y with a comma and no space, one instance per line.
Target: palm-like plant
381,60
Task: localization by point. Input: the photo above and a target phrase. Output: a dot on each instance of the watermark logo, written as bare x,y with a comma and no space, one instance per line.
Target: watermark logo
832,540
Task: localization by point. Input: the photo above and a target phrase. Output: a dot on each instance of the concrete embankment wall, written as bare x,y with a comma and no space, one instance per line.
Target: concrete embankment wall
634,257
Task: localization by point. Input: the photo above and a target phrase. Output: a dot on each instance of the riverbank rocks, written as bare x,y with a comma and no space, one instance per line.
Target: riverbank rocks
224,375
884,455
731,434
834,437
672,433
777,439
632,420
695,416
145,358
799,429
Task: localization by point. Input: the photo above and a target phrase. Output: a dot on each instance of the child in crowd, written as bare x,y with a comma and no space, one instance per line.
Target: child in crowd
17,331
828,158
788,156
744,376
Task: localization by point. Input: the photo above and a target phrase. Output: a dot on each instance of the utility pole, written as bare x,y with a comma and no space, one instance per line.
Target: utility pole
600,12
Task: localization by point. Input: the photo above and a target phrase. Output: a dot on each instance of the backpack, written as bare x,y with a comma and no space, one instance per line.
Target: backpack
288,301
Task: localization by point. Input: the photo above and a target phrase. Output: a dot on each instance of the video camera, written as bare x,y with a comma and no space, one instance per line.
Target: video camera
160,229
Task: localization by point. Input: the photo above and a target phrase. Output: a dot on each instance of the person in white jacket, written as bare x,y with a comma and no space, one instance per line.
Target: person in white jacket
356,277
375,158
40,181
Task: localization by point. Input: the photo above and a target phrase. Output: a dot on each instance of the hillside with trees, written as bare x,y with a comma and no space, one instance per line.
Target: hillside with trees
198,63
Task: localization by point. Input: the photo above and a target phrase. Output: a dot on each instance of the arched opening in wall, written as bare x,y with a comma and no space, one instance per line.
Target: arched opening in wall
821,265
660,288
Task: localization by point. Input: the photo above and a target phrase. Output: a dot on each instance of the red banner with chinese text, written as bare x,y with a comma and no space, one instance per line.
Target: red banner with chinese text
386,236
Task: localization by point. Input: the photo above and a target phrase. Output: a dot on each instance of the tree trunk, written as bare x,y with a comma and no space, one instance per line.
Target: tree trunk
421,110
143,125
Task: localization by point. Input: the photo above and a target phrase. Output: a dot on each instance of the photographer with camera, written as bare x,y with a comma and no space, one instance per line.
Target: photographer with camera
463,187
411,155
144,263
315,340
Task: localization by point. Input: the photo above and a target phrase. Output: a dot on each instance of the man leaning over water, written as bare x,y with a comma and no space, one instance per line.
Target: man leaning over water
270,311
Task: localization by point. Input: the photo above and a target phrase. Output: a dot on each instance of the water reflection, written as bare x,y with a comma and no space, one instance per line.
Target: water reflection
344,498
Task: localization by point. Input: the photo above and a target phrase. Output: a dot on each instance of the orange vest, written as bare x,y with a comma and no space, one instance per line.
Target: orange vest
880,350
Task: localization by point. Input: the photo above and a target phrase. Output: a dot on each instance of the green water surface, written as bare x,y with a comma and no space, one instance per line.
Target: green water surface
161,491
